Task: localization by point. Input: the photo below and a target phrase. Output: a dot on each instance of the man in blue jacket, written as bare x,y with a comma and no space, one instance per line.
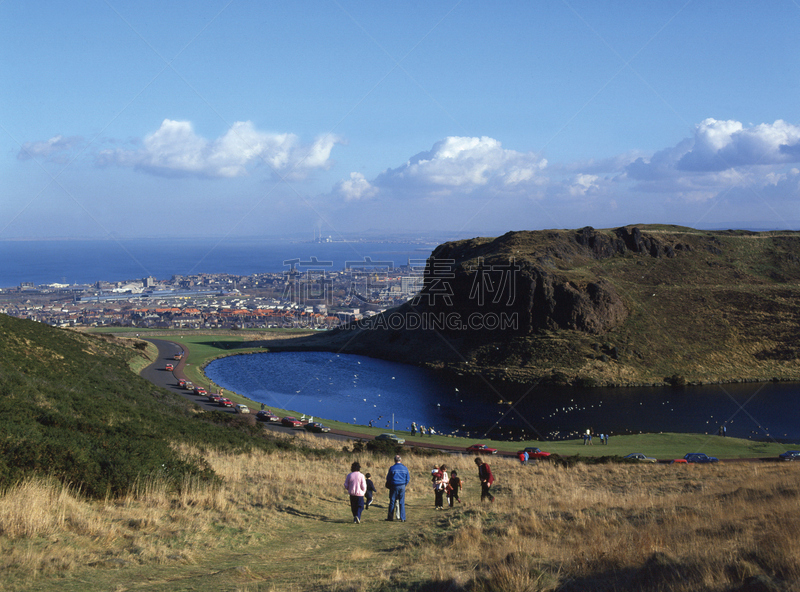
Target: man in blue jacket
396,481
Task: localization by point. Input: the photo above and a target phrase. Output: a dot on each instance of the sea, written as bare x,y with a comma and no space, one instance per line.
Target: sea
77,262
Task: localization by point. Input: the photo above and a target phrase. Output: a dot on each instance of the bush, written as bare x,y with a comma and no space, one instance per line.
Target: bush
385,447
676,380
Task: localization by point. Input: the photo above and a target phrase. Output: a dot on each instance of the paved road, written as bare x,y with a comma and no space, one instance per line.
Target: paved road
158,375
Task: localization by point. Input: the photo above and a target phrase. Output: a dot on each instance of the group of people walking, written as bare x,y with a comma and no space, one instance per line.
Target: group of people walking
444,484
361,488
423,431
587,438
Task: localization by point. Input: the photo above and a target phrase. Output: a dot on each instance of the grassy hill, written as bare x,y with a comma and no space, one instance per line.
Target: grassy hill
628,306
109,483
71,408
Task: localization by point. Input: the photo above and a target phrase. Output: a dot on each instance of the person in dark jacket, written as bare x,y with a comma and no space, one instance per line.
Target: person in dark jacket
453,488
370,491
397,479
486,478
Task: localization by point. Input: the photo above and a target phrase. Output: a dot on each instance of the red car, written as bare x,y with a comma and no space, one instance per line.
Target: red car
481,449
181,382
170,367
214,397
536,453
292,422
199,390
225,402
267,416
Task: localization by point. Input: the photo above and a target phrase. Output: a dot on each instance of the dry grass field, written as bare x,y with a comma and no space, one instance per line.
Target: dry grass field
282,522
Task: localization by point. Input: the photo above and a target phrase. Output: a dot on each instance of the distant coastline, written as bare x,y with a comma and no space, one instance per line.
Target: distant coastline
79,262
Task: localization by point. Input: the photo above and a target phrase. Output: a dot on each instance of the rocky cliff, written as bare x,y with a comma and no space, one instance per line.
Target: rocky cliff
632,305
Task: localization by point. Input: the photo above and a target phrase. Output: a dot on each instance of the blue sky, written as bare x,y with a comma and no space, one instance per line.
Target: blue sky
242,118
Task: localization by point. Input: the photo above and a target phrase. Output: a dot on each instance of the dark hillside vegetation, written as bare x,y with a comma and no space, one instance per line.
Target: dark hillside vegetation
71,408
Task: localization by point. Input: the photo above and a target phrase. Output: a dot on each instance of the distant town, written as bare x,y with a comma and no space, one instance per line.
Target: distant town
308,295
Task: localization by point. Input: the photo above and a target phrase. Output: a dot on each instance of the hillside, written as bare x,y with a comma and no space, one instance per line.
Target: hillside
644,305
151,494
71,408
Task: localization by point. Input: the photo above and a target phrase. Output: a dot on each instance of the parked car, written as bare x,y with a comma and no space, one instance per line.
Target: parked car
700,458
225,402
536,453
267,416
170,368
390,438
317,427
291,422
214,397
790,455
242,409
481,449
679,461
641,457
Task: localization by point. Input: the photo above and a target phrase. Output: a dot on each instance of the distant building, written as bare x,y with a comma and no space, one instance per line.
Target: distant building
411,284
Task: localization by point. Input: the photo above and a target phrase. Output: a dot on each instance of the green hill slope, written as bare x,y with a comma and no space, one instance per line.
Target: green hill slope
70,407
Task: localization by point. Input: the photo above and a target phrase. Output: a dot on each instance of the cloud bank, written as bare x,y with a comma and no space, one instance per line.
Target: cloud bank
723,168
717,147
453,165
176,150
56,149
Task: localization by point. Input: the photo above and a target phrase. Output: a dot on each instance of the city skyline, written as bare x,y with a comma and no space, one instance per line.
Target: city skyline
235,118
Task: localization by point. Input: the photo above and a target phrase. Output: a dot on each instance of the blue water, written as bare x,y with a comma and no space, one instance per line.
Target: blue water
356,389
88,261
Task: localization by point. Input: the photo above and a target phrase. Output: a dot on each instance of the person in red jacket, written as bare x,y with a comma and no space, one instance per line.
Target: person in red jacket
486,478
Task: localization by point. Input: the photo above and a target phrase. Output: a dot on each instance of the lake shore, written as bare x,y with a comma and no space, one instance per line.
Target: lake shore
662,445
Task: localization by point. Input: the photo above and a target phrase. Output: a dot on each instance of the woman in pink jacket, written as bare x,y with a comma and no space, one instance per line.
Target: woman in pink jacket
356,485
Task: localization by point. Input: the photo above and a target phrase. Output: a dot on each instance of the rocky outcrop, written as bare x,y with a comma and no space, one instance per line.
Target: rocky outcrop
523,276
630,305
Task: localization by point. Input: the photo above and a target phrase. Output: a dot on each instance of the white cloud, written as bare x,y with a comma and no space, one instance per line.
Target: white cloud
56,148
723,145
454,165
721,158
582,184
356,188
176,149
720,145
